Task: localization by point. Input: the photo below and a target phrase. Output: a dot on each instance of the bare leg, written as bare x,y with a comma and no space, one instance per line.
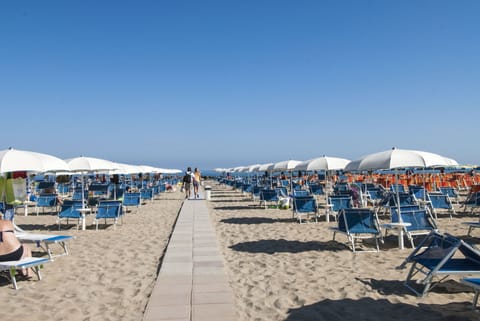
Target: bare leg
27,252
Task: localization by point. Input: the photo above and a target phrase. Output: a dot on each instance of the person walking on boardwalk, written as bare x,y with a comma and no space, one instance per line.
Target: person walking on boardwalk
196,181
187,182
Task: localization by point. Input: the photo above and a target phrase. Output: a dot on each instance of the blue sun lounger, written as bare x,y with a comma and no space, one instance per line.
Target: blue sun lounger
35,263
475,284
44,241
304,205
437,257
358,223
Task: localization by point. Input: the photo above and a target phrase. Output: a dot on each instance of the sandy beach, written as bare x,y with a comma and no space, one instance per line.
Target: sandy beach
277,269
281,270
109,273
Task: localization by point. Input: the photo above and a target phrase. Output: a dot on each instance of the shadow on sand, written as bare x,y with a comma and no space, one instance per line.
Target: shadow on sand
381,310
394,287
286,246
255,220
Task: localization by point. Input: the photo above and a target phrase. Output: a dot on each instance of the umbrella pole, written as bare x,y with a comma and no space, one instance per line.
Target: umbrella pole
83,205
327,217
398,196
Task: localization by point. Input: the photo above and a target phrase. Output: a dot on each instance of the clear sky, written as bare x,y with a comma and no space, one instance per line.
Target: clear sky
236,82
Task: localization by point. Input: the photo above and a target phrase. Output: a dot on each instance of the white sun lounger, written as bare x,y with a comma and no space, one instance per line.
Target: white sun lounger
45,240
36,263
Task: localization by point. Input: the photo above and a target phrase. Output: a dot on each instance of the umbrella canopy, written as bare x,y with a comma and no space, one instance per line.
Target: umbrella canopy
169,171
90,164
285,165
13,160
147,169
266,167
398,158
253,168
124,169
322,163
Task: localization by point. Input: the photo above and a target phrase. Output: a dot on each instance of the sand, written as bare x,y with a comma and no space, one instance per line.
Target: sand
282,270
278,269
108,275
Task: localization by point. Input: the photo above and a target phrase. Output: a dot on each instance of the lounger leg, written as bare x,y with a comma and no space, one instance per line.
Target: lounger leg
12,273
475,299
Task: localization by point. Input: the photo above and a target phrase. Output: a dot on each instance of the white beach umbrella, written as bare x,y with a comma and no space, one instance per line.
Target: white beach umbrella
84,165
399,158
254,168
14,160
268,167
147,169
322,163
124,169
287,165
90,164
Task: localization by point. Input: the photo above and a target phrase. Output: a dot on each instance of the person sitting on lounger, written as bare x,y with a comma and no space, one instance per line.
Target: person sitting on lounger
10,247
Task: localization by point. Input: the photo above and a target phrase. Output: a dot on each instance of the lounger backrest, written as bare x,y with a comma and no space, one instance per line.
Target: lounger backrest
450,191
268,195
340,202
110,209
394,211
358,220
70,209
304,204
419,220
131,199
316,189
300,193
439,200
146,193
47,200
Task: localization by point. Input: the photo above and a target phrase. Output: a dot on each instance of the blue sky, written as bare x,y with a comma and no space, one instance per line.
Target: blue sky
231,83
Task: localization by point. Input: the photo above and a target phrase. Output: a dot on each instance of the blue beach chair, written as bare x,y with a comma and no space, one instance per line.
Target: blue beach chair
132,200
336,203
419,219
358,223
70,210
109,210
437,257
304,205
440,201
268,196
44,201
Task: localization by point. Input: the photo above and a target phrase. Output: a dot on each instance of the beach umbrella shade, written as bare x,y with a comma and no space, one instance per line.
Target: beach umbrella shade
14,160
266,167
322,163
124,169
90,164
287,165
85,165
254,168
398,158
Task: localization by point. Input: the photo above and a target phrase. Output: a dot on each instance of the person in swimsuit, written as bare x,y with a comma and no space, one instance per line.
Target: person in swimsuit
10,247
